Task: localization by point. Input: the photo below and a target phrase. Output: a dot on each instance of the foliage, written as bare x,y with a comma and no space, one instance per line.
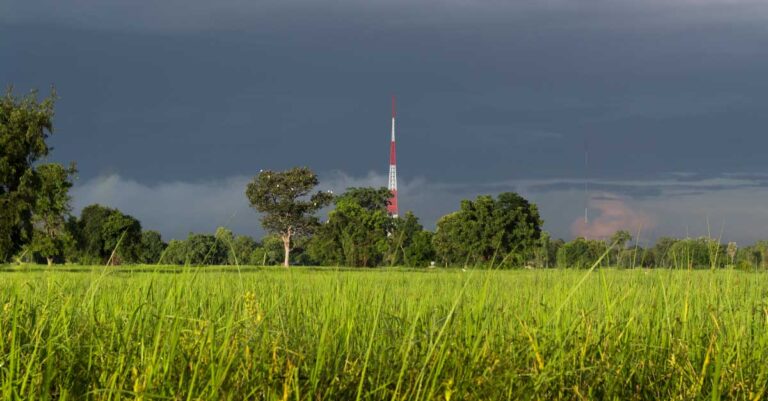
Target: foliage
204,249
402,233
618,255
241,251
448,241
270,252
501,232
51,209
152,247
691,253
419,252
281,197
544,254
356,233
222,248
108,236
580,253
175,253
732,250
324,248
25,124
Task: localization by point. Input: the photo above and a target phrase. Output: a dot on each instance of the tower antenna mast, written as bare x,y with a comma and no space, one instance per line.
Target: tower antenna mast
392,186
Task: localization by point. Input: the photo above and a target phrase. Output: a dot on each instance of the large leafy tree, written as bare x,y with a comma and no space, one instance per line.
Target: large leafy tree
239,248
108,236
121,234
502,231
691,253
152,247
241,251
270,252
452,240
419,252
362,232
25,124
619,255
402,233
580,253
356,233
661,255
50,211
174,254
205,249
288,209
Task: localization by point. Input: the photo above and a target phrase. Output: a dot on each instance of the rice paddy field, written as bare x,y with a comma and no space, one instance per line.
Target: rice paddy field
149,333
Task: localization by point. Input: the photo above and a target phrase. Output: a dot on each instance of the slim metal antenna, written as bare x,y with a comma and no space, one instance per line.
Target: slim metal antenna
392,207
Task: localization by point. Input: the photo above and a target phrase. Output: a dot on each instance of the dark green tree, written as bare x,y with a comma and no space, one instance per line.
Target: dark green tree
419,252
451,240
122,238
204,249
152,247
269,252
25,124
553,247
51,210
619,255
175,253
108,236
362,232
620,239
542,254
502,232
324,248
660,251
581,253
695,253
402,232
226,238
242,249
356,233
239,248
286,205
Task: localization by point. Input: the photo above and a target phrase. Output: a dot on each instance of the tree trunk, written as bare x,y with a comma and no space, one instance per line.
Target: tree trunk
50,261
287,249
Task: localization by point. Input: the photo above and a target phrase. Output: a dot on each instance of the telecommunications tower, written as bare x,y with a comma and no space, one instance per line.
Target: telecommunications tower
392,207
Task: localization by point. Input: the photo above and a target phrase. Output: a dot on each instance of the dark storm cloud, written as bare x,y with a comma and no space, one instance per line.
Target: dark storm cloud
490,93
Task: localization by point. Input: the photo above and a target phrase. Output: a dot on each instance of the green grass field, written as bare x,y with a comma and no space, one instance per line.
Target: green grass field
311,334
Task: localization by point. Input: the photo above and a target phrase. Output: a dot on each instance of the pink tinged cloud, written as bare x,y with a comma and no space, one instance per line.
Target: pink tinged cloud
614,215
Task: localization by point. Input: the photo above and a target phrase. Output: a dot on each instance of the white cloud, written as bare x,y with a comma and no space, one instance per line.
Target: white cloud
679,208
174,208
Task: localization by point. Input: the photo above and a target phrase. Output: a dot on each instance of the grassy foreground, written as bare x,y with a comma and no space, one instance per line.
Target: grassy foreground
303,334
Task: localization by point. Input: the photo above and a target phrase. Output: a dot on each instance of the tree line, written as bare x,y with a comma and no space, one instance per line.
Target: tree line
37,224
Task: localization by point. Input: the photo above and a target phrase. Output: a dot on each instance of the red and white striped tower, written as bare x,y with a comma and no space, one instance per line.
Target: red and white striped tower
392,207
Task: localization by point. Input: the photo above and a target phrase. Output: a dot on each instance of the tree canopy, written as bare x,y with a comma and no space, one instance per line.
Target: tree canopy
50,211
283,198
25,124
107,235
503,231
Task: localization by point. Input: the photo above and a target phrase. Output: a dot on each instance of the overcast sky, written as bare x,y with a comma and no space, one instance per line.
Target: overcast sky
170,107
